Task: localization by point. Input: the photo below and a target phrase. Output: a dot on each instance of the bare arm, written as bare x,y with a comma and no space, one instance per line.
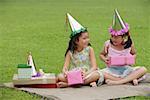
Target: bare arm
93,62
103,54
133,51
93,59
66,63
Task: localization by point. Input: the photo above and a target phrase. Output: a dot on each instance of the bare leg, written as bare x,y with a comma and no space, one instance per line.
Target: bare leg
92,78
61,81
110,77
135,82
61,77
142,78
134,75
93,84
62,84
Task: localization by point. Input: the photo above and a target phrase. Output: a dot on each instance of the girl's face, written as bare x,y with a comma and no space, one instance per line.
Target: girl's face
117,40
83,40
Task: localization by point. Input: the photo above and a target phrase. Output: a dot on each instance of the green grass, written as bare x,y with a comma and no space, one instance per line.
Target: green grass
11,94
136,98
39,26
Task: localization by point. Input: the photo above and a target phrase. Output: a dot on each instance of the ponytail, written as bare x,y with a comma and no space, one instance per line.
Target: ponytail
128,43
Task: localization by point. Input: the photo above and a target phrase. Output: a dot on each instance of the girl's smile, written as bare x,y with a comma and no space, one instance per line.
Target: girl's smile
117,40
83,41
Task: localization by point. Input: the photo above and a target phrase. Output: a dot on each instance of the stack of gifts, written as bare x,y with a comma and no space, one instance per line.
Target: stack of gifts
74,77
28,77
121,60
48,80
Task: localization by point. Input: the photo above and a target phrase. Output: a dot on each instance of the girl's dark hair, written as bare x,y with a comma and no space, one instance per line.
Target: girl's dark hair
72,46
128,43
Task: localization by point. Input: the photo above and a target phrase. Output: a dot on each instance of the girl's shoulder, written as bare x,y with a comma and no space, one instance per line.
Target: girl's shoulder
107,43
106,46
88,48
69,53
85,50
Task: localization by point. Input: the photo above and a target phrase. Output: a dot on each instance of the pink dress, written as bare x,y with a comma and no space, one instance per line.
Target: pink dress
116,71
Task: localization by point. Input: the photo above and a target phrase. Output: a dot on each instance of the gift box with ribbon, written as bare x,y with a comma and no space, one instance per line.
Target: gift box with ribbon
74,77
121,60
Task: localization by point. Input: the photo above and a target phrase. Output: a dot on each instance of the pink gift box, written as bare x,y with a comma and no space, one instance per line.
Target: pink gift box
121,60
74,77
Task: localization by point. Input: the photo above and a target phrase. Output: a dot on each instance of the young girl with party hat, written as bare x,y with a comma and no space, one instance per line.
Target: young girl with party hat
79,55
120,44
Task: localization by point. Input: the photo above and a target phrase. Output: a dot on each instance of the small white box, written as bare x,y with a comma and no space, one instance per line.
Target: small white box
24,71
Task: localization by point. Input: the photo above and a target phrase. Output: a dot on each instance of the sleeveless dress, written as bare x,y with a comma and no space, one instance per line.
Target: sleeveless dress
118,71
81,60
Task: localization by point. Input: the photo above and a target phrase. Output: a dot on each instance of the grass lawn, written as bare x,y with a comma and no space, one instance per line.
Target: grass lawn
39,26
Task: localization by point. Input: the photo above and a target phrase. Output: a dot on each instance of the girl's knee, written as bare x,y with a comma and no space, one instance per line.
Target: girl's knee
95,75
143,69
61,77
106,75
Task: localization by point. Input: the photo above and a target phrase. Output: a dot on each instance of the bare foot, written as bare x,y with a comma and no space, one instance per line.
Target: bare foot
93,84
62,85
135,82
111,82
142,78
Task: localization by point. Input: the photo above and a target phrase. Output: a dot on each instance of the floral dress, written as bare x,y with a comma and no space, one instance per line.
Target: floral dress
81,60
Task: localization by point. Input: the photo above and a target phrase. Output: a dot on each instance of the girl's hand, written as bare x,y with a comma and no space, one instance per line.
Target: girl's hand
83,74
65,73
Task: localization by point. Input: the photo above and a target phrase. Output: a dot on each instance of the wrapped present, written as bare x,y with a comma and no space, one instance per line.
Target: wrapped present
121,60
24,71
48,80
74,77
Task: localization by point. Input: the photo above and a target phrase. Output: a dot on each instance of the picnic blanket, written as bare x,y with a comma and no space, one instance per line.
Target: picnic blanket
103,92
